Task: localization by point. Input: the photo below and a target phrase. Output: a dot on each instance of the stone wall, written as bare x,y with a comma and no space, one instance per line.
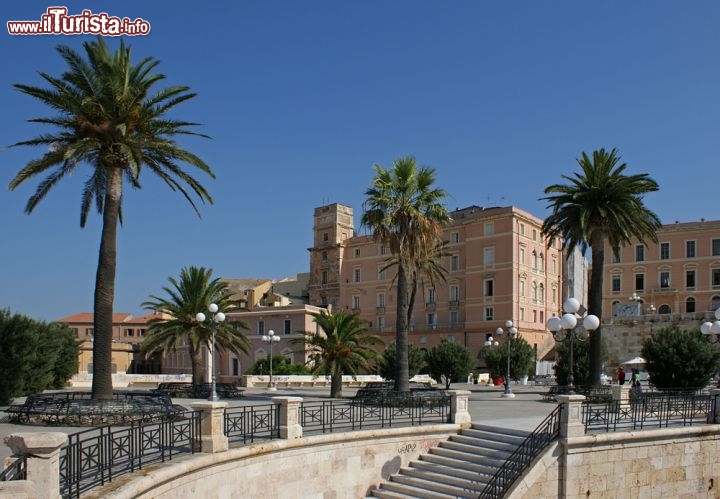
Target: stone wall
670,462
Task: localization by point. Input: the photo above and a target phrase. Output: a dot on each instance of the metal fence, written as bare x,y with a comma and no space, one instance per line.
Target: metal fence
97,456
17,470
650,410
523,456
250,423
346,415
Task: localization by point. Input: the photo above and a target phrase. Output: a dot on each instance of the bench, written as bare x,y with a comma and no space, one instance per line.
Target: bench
593,394
203,390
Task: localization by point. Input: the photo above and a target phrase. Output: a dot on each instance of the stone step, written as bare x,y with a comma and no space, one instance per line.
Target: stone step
495,430
459,465
485,443
478,473
494,436
493,461
472,482
477,450
409,492
386,494
430,486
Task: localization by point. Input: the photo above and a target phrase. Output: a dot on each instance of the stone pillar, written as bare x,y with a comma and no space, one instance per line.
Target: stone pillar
289,417
213,438
715,409
621,393
43,459
571,424
459,413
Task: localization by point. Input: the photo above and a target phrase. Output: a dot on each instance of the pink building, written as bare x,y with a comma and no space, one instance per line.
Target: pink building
499,268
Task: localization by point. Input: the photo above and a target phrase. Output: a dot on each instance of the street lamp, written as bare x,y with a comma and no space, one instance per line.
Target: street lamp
567,323
271,338
712,328
512,331
215,319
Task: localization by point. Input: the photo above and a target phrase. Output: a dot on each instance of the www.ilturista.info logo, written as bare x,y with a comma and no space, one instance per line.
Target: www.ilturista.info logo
56,21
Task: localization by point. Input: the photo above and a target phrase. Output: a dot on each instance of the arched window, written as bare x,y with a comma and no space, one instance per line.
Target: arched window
715,303
542,263
534,292
534,260
690,305
664,309
541,292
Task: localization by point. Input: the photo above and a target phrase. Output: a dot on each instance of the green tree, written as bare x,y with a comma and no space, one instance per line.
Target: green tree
449,361
176,322
600,204
280,367
343,347
581,360
34,355
107,118
405,212
522,358
388,359
680,359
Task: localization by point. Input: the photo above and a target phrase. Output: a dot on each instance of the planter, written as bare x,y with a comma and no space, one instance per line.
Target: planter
497,380
523,380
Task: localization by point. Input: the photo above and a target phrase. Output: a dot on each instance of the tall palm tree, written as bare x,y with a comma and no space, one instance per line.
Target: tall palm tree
405,212
176,323
600,204
107,119
344,347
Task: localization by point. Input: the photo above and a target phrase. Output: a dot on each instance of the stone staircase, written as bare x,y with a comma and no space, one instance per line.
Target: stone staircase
459,467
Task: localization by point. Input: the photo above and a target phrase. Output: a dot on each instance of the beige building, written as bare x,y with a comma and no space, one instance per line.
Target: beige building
499,268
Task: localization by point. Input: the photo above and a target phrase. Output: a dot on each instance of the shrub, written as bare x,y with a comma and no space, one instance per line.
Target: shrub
450,361
388,361
581,360
522,359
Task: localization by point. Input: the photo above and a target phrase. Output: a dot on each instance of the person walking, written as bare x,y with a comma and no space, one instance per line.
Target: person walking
621,376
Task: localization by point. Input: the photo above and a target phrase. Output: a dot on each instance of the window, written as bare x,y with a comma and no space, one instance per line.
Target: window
639,282
541,264
554,265
454,318
522,314
690,305
129,332
489,229
343,236
381,249
324,255
381,322
716,247
326,236
640,253
664,309
287,326
357,252
431,296
489,255
489,313
74,330
381,273
554,294
664,251
616,284
432,320
356,275
664,279
690,249
489,287
521,260
455,237
235,367
261,328
715,278
689,278
454,293
381,299
534,234
89,331
541,294
454,263
323,300
521,288
324,277
522,229
534,315
534,260
356,302
616,255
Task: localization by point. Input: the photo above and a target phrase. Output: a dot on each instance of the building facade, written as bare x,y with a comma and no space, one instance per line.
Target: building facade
499,268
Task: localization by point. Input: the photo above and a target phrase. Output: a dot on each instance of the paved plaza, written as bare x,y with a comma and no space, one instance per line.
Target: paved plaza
525,411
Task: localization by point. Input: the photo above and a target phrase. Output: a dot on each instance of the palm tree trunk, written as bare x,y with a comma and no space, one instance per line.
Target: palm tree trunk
105,289
402,377
196,362
336,385
597,243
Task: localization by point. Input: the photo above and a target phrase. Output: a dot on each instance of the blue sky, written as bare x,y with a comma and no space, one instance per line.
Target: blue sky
302,98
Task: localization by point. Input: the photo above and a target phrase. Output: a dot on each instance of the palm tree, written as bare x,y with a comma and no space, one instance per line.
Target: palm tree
176,323
598,205
405,212
107,119
344,347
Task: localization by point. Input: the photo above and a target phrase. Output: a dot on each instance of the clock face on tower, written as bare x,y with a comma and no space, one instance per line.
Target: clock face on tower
626,309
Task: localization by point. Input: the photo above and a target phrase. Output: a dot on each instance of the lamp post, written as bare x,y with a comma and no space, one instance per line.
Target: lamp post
567,323
512,331
270,338
712,328
215,319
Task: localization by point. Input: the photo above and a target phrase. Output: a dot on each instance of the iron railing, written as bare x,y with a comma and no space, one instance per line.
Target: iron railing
97,456
523,456
650,410
250,423
328,416
17,470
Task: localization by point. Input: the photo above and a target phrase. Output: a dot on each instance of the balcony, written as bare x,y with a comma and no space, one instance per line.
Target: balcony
453,304
430,306
380,309
356,310
664,291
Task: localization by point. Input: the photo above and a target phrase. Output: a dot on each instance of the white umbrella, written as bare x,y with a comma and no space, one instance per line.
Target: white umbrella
636,360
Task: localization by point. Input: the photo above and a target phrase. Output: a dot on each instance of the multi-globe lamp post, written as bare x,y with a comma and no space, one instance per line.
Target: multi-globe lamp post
567,323
215,319
270,338
712,328
512,331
